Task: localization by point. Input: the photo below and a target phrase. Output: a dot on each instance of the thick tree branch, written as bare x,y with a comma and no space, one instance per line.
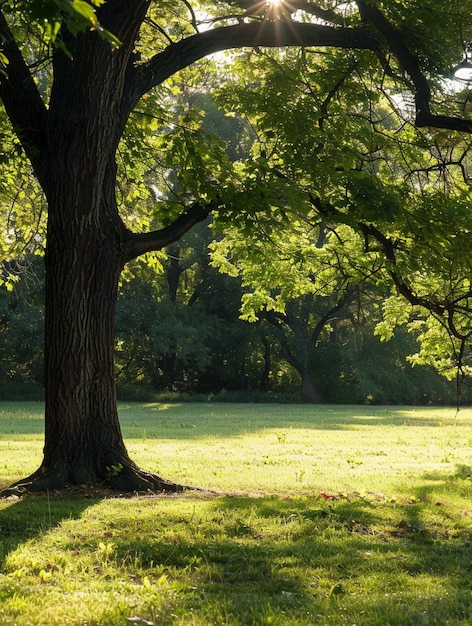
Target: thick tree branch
22,101
265,34
138,244
428,120
286,32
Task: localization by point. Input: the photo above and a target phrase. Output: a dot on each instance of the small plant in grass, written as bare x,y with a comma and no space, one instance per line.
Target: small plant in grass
105,551
282,437
114,470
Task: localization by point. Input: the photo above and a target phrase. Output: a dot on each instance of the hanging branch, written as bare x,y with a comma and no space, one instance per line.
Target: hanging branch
410,64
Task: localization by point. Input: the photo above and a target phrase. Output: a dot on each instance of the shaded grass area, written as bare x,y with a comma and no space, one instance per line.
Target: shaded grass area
234,560
377,531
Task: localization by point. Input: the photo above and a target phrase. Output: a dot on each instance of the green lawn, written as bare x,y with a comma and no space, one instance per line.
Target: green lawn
326,515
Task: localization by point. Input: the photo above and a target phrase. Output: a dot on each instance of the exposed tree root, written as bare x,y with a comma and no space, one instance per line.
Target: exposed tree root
132,480
126,480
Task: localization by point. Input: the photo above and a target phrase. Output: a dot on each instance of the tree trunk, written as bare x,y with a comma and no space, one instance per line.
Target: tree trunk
87,247
83,440
309,391
264,380
86,243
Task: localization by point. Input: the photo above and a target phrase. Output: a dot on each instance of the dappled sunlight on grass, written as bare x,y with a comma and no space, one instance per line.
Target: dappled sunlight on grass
268,448
226,419
160,406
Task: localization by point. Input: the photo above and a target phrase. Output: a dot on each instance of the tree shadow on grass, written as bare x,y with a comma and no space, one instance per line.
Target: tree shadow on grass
23,519
444,506
299,560
357,557
302,560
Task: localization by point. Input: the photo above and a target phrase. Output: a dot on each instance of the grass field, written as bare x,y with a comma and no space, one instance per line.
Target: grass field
325,515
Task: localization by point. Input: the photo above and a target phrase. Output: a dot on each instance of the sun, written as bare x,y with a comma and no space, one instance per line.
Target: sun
275,10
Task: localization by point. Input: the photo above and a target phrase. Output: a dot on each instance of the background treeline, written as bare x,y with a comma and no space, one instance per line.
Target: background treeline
179,334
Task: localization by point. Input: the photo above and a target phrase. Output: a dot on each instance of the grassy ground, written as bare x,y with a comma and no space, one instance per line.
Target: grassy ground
327,515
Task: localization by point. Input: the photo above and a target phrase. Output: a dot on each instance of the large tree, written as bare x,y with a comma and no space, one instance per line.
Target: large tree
71,133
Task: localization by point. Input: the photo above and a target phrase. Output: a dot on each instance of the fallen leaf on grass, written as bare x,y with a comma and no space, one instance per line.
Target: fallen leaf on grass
328,496
139,621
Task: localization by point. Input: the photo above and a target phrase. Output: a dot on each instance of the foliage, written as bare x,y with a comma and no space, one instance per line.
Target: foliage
395,194
225,357
50,15
22,206
179,330
22,319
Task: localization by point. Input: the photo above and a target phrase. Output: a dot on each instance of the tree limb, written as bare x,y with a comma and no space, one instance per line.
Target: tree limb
22,101
136,244
275,320
267,34
389,250
329,315
410,64
286,32
334,90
